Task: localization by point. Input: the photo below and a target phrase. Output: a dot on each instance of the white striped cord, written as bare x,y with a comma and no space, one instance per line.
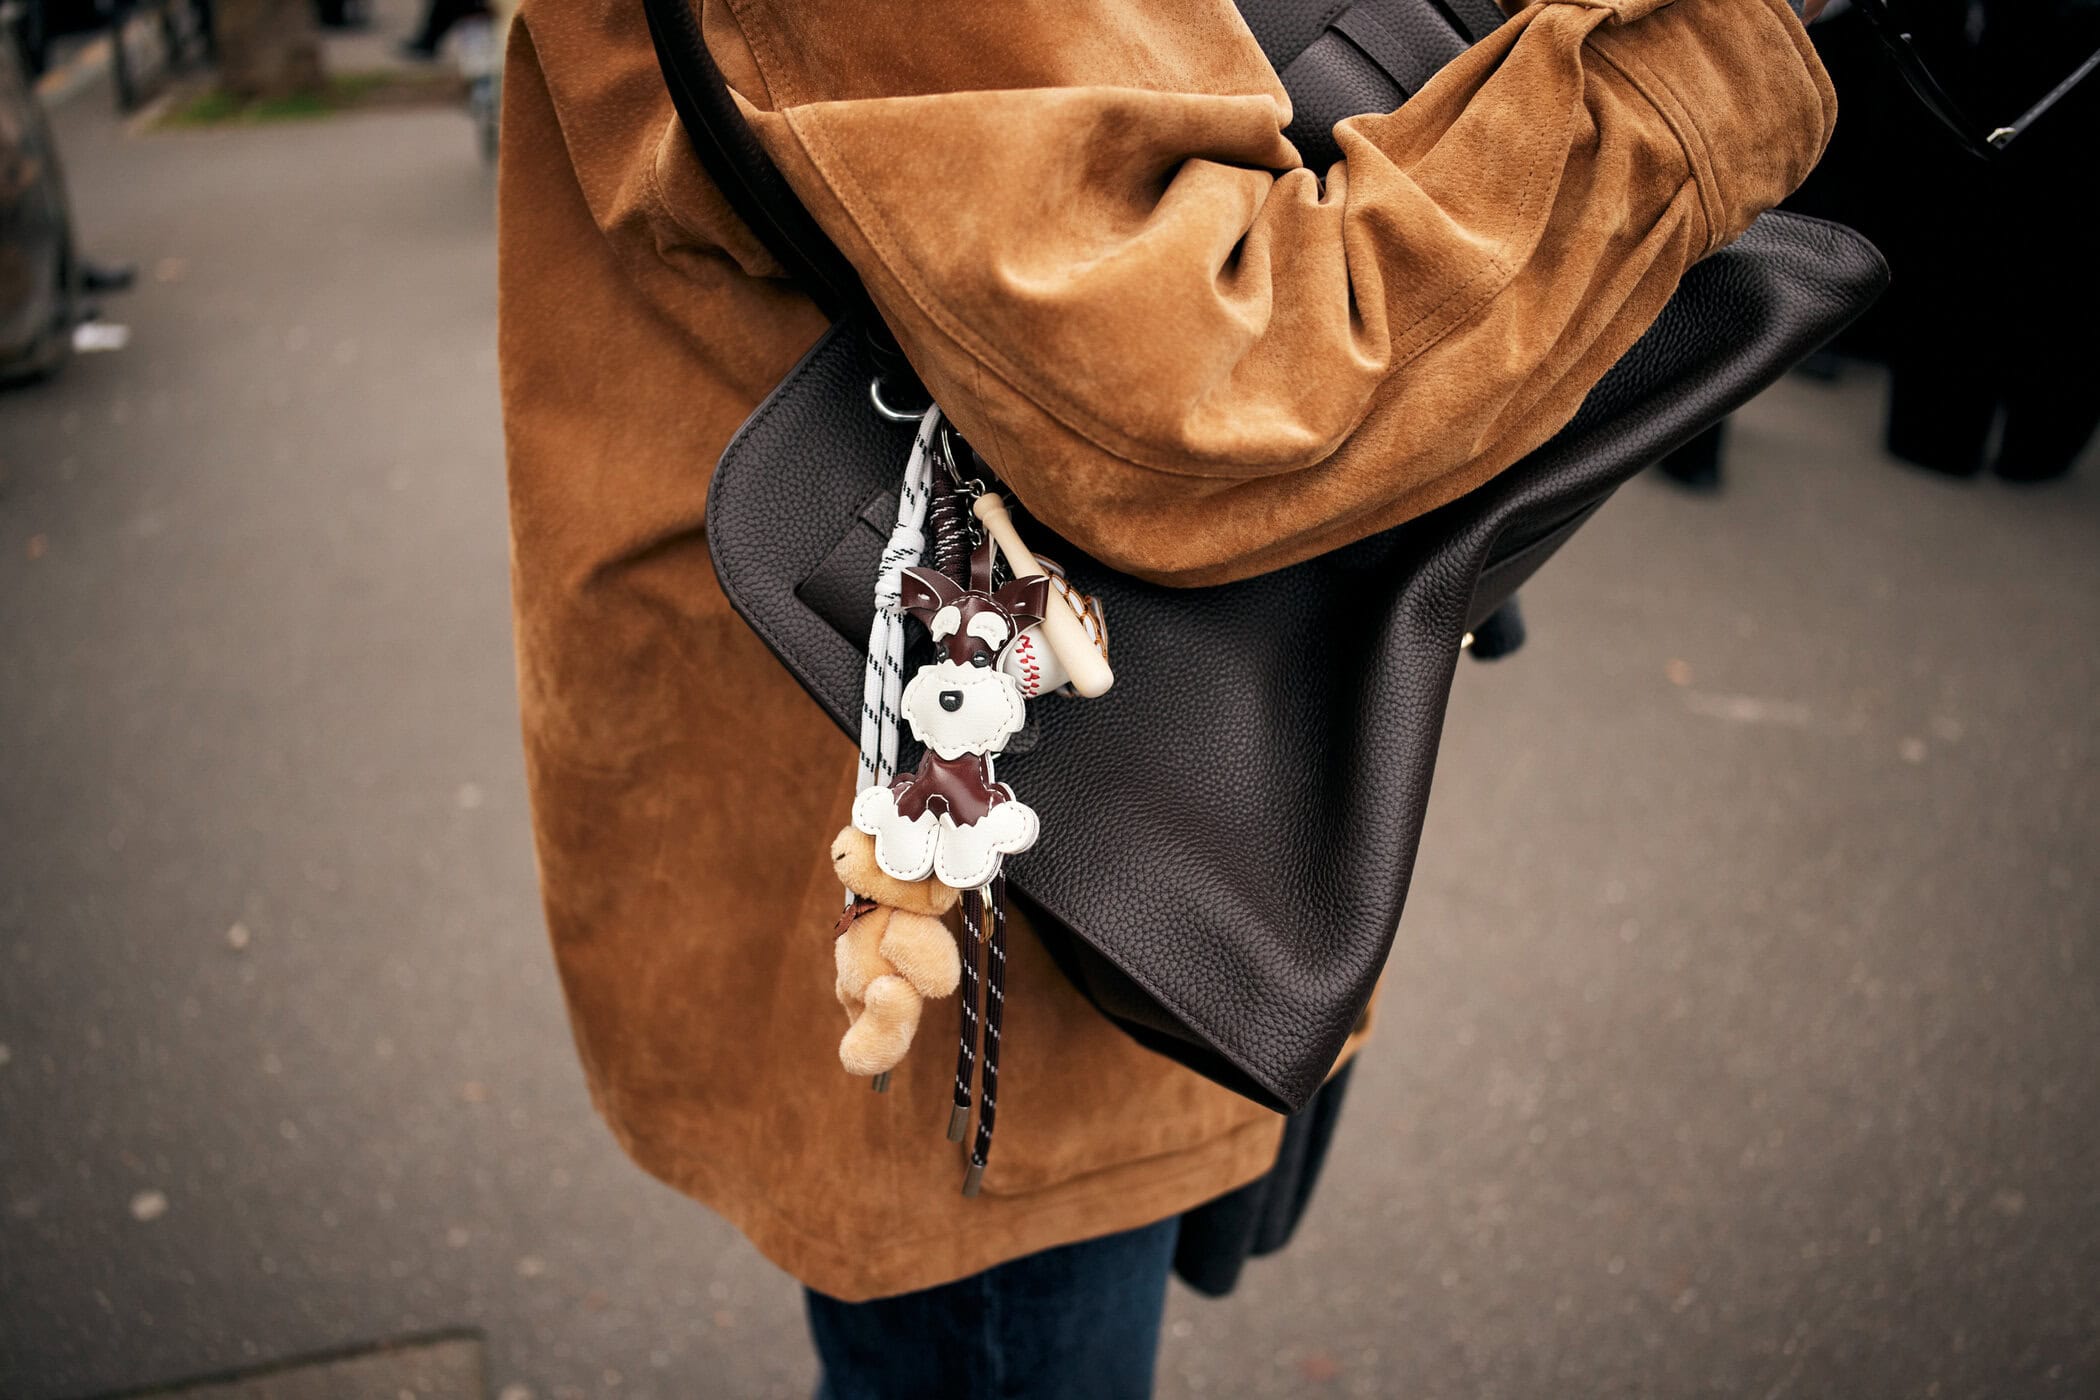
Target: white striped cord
882,692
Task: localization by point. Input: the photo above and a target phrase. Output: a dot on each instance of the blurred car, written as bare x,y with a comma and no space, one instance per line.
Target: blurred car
38,279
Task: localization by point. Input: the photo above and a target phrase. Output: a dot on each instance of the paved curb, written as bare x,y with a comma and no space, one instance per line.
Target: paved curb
87,63
442,1367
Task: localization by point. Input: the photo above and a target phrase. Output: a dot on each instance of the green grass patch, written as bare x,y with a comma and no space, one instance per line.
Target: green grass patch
340,92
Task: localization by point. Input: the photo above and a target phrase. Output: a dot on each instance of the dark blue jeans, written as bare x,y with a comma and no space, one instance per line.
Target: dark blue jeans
1080,1322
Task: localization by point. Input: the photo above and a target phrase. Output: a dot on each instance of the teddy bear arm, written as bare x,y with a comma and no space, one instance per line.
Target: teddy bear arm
878,1038
923,952
858,953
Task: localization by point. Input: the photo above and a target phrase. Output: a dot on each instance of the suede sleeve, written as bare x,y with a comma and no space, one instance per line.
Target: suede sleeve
1201,360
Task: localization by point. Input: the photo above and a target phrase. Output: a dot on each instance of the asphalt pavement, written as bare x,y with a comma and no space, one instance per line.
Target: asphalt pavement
1743,1038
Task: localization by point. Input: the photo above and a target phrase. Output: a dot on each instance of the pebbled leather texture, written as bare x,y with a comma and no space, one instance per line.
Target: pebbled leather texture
1338,60
1408,39
1286,28
1228,835
1330,80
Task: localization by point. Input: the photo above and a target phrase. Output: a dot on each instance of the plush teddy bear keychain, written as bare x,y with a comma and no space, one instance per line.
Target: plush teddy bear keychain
893,953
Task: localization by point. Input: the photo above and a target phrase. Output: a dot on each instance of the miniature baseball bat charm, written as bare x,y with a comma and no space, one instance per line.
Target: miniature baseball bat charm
1070,645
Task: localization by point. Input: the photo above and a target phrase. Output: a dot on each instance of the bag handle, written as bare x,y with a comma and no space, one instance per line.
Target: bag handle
1479,18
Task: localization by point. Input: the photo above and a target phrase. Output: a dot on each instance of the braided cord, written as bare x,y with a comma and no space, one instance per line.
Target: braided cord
882,689
994,1016
949,523
882,686
966,1043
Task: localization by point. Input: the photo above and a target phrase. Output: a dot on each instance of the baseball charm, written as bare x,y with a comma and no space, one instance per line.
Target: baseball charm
1071,640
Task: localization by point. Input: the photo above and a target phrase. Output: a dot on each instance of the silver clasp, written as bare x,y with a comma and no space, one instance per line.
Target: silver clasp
882,406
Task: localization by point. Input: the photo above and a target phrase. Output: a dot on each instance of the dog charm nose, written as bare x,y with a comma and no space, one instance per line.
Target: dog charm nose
951,700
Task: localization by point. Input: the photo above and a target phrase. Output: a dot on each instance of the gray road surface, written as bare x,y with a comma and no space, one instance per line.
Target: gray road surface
1743,1038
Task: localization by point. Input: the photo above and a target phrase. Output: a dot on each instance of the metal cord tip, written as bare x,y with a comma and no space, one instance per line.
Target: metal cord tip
973,1179
958,1120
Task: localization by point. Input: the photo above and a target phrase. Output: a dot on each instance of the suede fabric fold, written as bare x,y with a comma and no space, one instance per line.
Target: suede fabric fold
1181,348
1204,360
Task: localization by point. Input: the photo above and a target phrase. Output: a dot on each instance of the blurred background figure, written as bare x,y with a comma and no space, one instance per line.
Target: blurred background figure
342,14
177,30
439,17
1991,331
45,282
1993,335
38,288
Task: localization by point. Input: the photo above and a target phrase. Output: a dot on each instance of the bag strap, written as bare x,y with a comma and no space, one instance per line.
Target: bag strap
730,153
1479,18
1409,40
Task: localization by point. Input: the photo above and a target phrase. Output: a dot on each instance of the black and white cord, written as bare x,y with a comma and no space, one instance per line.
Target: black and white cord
882,689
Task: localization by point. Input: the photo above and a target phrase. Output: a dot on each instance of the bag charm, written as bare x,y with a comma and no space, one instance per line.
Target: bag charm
937,838
952,818
892,952
1069,648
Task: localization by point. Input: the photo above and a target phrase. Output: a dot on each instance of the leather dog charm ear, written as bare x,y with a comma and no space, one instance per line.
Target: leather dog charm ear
952,818
926,591
1024,599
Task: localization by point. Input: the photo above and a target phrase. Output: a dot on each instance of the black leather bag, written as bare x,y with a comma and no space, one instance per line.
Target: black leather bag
1230,832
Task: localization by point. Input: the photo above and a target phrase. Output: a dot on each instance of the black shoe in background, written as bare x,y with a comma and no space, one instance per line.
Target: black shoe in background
1696,466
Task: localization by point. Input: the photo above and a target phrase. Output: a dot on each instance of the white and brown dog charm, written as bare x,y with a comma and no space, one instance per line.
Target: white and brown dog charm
952,818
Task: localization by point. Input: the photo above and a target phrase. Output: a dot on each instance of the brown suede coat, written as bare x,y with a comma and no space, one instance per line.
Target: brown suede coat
1177,345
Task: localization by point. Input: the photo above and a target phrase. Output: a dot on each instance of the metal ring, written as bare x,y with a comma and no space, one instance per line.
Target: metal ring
970,485
875,397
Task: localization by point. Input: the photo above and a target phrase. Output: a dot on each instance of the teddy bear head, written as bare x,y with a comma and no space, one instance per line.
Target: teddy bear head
853,861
